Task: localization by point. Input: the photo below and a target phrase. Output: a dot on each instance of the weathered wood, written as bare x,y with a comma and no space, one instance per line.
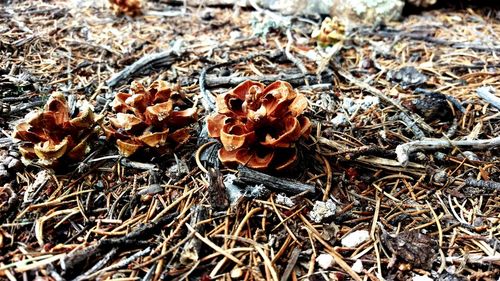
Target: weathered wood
403,151
190,253
296,79
247,175
163,59
488,94
217,195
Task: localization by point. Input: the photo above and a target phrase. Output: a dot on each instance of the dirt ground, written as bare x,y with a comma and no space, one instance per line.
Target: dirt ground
398,179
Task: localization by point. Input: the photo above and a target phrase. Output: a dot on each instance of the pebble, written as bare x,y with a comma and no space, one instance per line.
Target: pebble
325,261
421,278
322,210
357,266
470,155
356,238
440,176
339,121
284,200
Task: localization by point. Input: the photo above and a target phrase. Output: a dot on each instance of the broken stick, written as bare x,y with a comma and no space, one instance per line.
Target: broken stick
488,94
163,59
250,176
374,91
403,151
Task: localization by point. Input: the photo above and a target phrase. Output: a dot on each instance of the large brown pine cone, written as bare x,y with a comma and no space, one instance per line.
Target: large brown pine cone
259,126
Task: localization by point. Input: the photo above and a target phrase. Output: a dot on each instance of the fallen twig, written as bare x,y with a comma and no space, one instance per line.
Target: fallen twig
403,151
162,59
74,259
250,176
410,123
296,79
100,264
488,94
489,185
190,251
290,56
372,90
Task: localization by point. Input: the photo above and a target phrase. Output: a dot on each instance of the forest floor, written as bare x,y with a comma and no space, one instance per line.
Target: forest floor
398,180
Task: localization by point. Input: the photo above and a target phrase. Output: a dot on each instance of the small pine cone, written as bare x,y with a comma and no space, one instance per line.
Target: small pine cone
154,117
52,134
330,32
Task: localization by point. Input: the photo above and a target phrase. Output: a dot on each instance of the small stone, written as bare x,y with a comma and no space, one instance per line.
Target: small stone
369,101
325,261
15,165
3,173
284,200
340,120
6,161
356,238
236,273
235,35
470,155
207,14
440,156
417,277
440,177
407,76
14,154
421,156
322,210
357,266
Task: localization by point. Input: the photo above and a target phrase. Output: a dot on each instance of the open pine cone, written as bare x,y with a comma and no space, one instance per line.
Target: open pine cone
149,117
128,7
330,32
259,126
52,134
